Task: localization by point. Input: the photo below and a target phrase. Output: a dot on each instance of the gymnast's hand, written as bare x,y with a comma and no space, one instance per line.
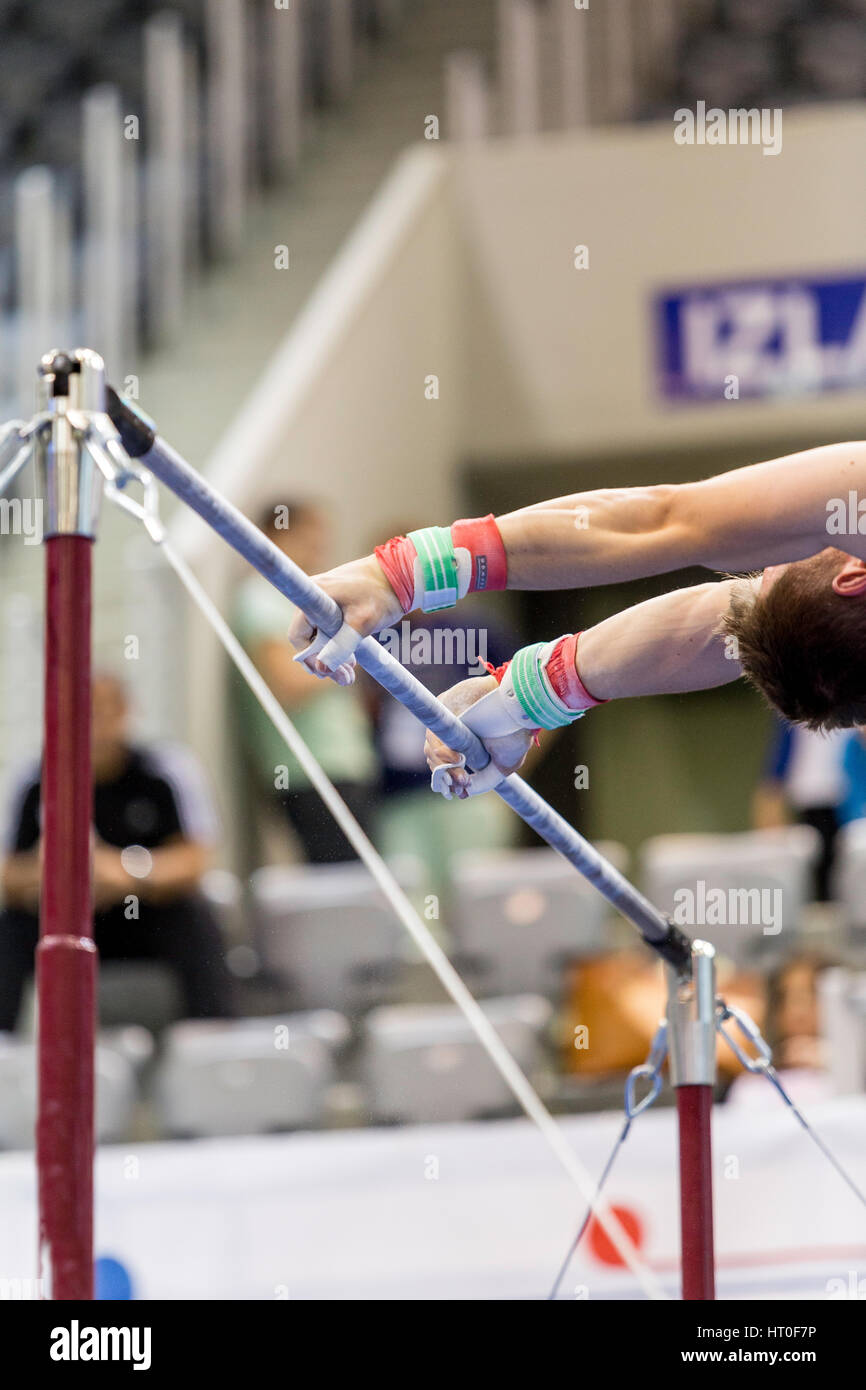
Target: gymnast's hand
506,752
368,603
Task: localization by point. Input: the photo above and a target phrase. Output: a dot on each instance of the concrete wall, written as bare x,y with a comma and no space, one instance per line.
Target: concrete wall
560,359
463,267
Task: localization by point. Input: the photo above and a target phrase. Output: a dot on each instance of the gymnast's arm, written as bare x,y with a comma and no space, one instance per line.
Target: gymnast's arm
21,877
666,645
765,514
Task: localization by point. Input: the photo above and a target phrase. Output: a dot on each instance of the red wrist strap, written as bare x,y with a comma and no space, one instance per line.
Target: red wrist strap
397,558
480,536
562,674
497,671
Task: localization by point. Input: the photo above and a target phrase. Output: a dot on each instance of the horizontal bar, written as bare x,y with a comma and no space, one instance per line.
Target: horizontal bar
141,441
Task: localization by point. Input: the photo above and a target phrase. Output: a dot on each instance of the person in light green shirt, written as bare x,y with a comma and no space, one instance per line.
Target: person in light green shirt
333,723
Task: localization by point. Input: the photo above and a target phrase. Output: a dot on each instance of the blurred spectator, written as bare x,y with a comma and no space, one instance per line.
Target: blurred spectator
793,1031
613,1005
332,722
154,829
793,1021
804,779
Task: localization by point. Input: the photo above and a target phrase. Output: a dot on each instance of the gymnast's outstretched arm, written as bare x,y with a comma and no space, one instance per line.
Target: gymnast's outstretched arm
765,514
669,644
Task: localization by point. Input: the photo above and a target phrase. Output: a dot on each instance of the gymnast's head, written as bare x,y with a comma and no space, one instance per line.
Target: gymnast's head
800,631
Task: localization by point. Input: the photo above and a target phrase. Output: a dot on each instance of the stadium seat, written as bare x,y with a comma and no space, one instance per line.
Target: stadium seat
424,1064
745,893
519,915
28,70
131,993
116,1093
764,17
842,1011
142,992
328,934
849,875
830,57
224,894
247,1076
135,1044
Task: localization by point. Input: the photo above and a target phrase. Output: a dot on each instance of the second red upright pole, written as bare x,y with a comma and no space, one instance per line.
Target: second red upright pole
694,1112
692,1050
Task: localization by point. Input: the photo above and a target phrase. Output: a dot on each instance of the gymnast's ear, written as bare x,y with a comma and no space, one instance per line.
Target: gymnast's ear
850,582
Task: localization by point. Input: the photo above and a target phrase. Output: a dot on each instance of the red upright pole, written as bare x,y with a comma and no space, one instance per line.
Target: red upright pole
694,1111
66,955
692,1042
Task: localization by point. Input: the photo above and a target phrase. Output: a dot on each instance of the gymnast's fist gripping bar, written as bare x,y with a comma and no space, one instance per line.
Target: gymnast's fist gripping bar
140,440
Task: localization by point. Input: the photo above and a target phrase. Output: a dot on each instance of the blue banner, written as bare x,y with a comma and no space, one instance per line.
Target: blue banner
782,337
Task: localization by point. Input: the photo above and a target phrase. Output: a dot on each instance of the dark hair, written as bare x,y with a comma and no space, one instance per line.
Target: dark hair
803,645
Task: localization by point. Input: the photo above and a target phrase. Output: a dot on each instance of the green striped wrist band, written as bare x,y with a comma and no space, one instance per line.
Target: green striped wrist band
533,690
435,568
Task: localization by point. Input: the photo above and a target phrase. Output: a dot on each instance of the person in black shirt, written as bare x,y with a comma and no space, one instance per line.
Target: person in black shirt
153,832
